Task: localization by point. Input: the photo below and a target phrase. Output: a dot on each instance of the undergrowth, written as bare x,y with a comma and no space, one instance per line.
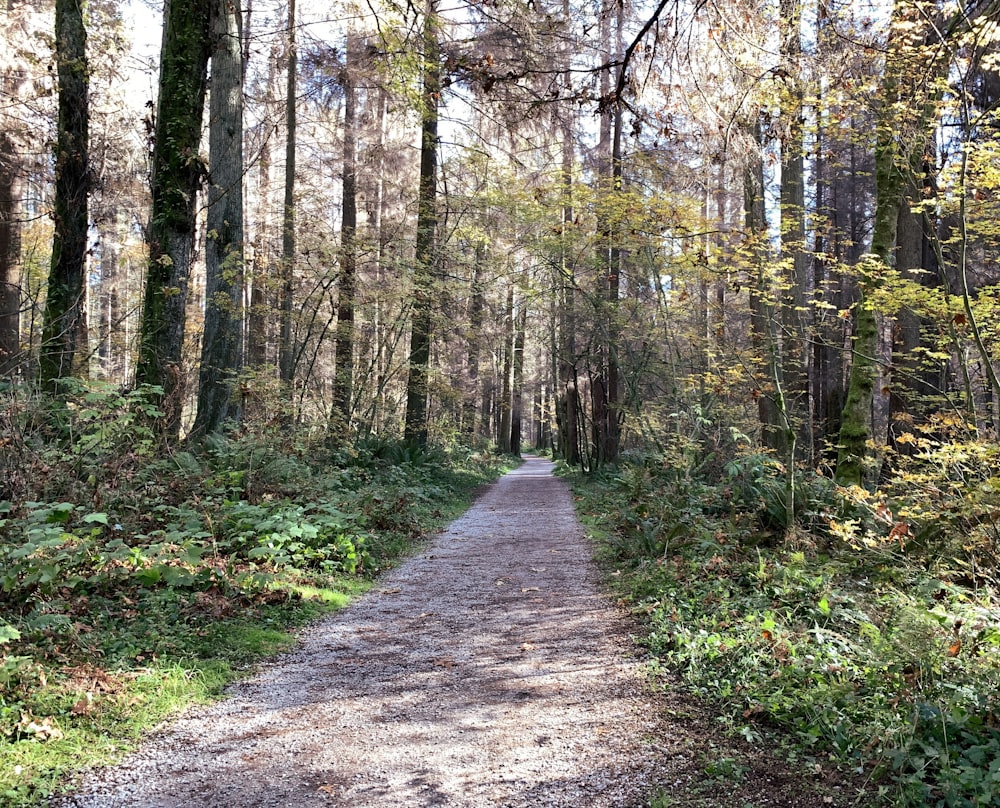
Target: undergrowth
859,639
135,580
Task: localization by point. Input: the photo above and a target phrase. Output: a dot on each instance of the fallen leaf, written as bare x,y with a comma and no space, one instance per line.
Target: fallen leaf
84,705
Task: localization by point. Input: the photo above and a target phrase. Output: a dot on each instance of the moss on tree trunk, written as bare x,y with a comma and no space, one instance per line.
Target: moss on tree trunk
64,331
177,174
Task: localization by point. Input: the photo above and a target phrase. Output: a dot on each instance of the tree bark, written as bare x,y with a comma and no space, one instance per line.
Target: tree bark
908,109
286,292
770,384
343,376
177,175
517,381
10,257
64,330
504,433
473,394
222,341
567,396
415,427
793,345
261,297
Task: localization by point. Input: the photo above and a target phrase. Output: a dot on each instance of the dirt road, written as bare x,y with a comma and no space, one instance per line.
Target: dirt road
485,671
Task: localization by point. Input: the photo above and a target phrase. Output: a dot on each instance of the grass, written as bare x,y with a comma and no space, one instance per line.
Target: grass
89,710
114,618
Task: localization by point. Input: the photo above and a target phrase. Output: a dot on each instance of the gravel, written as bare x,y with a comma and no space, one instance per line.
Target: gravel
488,670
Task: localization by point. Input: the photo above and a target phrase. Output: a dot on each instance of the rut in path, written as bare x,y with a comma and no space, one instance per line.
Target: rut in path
485,671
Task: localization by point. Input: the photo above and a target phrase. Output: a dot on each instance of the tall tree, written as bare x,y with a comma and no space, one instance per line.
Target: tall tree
177,175
12,75
415,428
506,365
568,393
793,346
10,256
286,346
343,376
64,332
517,378
916,62
605,388
222,340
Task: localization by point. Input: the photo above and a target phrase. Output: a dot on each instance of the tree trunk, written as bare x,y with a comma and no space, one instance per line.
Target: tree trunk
10,257
107,353
476,305
793,346
415,427
286,293
64,330
222,341
517,382
611,432
567,397
604,390
908,107
177,174
343,375
375,217
769,384
503,433
260,294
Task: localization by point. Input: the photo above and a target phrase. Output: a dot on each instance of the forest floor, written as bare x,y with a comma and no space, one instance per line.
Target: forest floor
486,670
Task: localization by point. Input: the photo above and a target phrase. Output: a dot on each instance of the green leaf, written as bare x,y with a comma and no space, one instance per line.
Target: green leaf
8,633
149,576
96,518
59,513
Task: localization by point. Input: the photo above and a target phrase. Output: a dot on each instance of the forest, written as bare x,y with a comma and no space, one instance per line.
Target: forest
282,282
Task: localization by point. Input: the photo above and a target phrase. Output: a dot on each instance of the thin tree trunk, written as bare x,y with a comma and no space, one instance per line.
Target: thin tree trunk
793,348
343,375
503,433
222,341
10,256
769,393
517,381
476,305
286,345
375,218
611,436
567,397
64,331
263,255
107,316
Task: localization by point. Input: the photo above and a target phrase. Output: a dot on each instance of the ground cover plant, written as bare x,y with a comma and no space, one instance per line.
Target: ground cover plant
135,580
862,632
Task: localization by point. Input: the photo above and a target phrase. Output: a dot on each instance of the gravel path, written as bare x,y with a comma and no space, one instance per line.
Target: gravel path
487,671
